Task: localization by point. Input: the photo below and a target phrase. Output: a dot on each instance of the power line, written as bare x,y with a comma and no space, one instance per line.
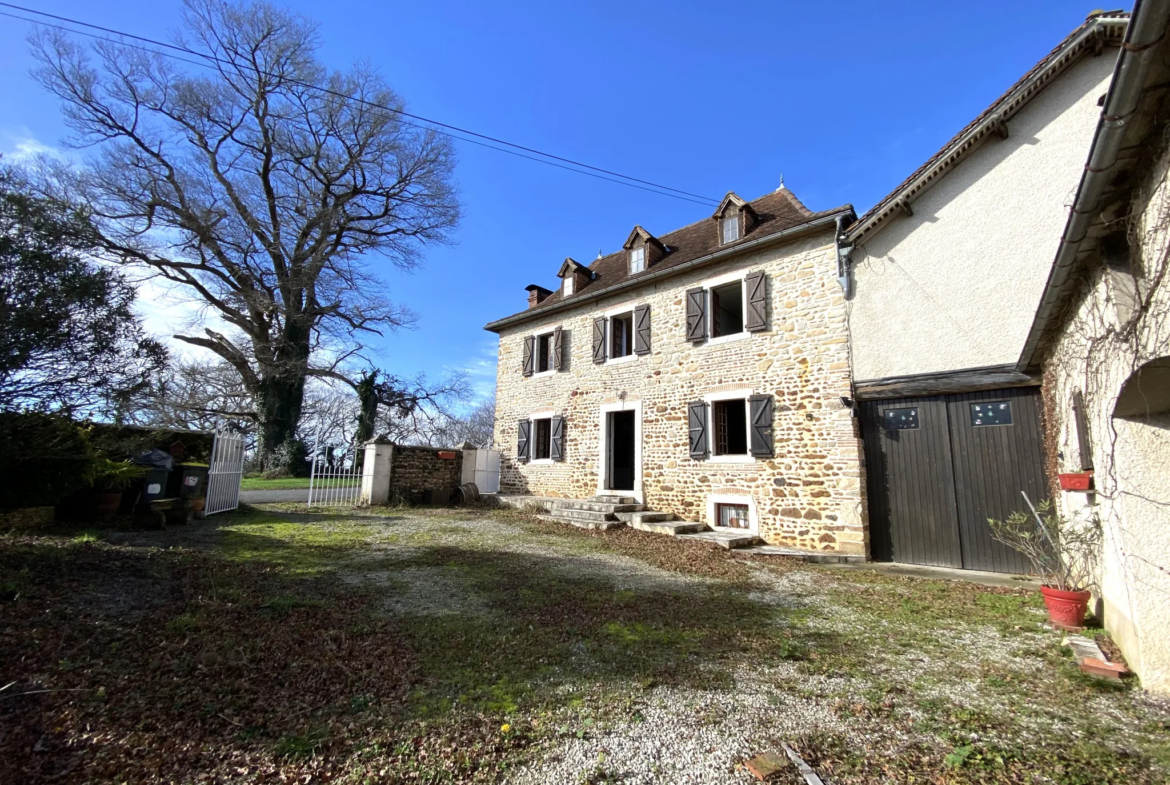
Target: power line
452,131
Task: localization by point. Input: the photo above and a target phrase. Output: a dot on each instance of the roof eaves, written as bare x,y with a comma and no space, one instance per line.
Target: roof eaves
586,296
1098,29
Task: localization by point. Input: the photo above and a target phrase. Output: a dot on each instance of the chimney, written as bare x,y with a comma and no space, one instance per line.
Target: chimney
536,294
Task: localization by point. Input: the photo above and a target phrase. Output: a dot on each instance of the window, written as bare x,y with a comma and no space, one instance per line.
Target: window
637,259
567,285
730,427
993,413
727,309
544,353
621,331
732,516
729,228
542,439
901,419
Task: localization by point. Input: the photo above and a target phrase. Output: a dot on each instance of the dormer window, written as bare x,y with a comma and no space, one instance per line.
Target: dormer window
574,276
567,286
637,259
729,228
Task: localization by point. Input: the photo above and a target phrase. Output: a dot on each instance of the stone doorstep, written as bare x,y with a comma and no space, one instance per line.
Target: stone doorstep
727,540
671,528
607,507
594,525
813,557
581,515
607,499
646,516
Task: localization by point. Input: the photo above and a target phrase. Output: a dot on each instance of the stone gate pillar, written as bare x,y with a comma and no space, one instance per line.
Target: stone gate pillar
376,471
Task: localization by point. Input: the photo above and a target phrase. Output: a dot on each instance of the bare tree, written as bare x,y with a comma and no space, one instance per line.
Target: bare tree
260,188
195,394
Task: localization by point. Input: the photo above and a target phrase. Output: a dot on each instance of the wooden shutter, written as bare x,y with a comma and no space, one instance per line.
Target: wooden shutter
529,359
697,422
599,339
556,442
558,347
760,408
523,440
696,315
757,298
642,329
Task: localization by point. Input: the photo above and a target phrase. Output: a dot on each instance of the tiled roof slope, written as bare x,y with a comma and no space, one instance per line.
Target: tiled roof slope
775,212
1065,53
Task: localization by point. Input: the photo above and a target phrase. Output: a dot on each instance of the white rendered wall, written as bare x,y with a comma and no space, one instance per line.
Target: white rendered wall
956,285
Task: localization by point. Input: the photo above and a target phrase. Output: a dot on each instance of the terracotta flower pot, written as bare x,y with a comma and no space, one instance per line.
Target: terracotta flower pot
106,503
1066,608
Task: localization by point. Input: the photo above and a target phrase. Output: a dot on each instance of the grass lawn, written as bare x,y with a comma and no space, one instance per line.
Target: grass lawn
436,646
289,483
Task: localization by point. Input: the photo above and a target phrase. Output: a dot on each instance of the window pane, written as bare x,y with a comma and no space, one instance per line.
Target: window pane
730,427
637,260
544,353
622,335
727,309
733,516
543,430
993,413
730,228
901,419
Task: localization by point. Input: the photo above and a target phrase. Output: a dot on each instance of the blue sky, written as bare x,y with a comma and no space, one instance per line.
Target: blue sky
845,99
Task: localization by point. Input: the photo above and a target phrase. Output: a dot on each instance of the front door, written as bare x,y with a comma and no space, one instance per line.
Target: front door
621,434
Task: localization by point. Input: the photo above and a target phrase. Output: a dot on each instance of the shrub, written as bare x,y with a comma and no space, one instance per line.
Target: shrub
43,459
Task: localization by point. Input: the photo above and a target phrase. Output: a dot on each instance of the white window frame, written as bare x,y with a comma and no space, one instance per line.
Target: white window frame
733,220
609,358
722,498
532,459
567,285
715,283
729,395
536,352
602,458
638,252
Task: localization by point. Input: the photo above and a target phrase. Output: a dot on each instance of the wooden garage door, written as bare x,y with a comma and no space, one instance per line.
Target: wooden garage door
938,467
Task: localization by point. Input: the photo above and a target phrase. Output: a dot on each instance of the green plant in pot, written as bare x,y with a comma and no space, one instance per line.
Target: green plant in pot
1062,552
110,479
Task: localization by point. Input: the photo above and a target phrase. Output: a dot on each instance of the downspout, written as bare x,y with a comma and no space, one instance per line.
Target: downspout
844,251
1147,26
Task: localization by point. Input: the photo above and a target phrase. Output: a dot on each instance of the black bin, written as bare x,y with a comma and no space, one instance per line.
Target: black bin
188,481
158,465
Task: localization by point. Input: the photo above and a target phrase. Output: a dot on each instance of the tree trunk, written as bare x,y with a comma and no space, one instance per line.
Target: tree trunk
279,402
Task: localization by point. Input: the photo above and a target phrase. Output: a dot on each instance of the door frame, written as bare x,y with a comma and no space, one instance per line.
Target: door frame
603,449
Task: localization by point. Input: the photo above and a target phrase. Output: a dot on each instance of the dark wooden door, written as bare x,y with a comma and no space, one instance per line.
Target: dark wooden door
911,482
622,452
997,451
938,467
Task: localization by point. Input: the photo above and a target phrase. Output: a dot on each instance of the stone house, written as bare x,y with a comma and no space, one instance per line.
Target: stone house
703,372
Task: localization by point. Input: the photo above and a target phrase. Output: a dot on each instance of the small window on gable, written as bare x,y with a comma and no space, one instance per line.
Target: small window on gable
729,228
637,259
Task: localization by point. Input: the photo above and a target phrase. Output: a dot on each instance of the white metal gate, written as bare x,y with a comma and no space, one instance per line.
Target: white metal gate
225,470
482,467
336,478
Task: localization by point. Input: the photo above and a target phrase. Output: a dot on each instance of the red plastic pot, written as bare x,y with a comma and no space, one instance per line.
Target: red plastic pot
1066,608
1079,481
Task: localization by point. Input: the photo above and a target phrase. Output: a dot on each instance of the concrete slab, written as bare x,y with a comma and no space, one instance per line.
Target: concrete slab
1002,579
815,557
723,539
671,528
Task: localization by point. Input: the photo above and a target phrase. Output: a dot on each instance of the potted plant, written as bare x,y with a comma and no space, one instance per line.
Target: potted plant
110,479
1062,552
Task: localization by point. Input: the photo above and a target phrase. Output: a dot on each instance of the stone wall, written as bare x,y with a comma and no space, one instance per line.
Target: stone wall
416,470
810,495
26,518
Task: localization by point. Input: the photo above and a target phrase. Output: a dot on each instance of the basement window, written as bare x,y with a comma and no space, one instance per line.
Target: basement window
727,309
993,413
731,435
621,331
542,439
732,516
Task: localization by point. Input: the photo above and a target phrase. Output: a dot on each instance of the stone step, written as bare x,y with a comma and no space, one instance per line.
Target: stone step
612,499
668,527
723,539
645,515
608,507
813,557
580,524
582,515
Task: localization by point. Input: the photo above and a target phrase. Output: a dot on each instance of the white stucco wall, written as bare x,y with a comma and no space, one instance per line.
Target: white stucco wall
1108,337
956,285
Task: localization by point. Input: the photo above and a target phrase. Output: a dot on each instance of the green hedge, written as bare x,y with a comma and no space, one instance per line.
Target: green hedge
43,459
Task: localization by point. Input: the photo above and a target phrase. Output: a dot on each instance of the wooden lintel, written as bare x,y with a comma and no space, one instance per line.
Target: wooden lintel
943,383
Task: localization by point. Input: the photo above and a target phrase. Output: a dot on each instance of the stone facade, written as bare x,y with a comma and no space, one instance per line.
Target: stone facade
27,518
809,495
416,470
